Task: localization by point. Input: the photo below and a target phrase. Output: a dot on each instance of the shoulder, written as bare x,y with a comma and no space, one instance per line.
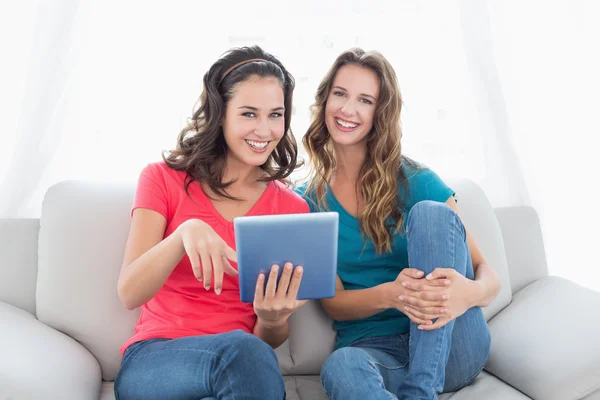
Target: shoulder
417,182
292,200
158,168
161,172
300,189
415,173
308,195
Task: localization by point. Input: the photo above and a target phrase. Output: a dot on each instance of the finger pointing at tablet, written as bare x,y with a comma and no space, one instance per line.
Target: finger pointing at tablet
208,253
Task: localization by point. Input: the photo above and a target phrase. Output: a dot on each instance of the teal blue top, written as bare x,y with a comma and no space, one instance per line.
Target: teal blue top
360,267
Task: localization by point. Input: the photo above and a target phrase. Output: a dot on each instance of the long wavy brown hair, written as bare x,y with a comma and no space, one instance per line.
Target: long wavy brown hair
201,149
377,184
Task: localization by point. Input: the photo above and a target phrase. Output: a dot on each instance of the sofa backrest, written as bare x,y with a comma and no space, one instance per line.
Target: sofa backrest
524,245
480,219
83,230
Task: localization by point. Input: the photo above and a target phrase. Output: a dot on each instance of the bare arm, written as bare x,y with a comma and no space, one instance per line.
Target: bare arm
148,260
274,336
354,304
488,281
363,303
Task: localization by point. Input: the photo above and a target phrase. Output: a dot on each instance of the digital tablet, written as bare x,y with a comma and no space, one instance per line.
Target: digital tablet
309,240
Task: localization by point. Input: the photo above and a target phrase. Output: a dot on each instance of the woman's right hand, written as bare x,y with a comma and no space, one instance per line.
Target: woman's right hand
208,253
421,307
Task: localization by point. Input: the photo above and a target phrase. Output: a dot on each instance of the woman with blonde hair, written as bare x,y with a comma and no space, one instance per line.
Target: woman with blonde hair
411,279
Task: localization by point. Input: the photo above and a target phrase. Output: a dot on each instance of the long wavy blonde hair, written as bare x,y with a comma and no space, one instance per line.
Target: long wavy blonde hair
377,182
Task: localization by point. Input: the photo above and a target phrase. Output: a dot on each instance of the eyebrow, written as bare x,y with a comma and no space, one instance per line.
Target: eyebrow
256,109
362,94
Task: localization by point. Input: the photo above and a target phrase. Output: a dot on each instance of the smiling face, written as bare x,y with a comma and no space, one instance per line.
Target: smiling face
254,122
351,105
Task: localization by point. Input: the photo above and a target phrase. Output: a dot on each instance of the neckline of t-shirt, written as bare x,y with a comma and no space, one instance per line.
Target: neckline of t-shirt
213,210
345,217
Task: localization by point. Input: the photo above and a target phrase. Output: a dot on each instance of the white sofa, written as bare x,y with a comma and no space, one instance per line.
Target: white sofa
61,322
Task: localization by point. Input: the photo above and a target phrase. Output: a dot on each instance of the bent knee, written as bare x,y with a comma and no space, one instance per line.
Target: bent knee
429,211
247,344
341,361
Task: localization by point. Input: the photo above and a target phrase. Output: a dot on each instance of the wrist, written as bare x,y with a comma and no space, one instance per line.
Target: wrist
178,232
477,294
272,325
385,296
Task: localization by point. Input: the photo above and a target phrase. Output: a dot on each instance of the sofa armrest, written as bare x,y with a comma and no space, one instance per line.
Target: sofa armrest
39,362
18,261
545,343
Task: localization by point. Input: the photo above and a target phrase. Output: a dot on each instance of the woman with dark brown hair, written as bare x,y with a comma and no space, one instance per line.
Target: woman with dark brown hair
195,339
411,279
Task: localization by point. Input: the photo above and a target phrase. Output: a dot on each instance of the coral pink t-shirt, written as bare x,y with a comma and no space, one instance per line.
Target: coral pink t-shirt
182,307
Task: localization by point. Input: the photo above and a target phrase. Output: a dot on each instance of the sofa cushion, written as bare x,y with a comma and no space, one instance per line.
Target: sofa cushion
304,387
593,396
308,387
312,339
524,245
486,386
40,363
283,356
84,228
480,219
83,231
545,343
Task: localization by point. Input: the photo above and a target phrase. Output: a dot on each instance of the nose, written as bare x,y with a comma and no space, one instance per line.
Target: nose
263,129
348,108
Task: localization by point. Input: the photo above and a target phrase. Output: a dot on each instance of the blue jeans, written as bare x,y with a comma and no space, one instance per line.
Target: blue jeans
234,365
419,364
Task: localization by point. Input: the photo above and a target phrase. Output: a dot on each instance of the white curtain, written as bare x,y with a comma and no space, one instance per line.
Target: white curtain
548,58
501,92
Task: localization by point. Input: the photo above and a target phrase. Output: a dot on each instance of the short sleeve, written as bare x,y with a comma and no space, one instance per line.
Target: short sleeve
151,191
425,184
303,207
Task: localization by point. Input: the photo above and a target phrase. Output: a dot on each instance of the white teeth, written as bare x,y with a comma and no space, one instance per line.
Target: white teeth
257,145
346,124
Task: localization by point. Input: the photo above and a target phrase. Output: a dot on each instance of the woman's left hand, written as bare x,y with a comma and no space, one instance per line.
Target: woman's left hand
462,295
274,305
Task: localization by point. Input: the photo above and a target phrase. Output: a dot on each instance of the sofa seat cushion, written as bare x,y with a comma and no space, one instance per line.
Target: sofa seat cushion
486,386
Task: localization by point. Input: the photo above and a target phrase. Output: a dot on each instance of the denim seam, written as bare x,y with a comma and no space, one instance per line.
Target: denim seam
322,384
387,367
439,354
379,376
141,357
452,251
468,381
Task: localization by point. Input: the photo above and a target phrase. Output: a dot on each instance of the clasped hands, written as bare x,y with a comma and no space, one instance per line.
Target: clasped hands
431,301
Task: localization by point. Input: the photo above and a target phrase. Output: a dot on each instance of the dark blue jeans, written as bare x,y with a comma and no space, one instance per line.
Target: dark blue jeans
419,364
234,365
